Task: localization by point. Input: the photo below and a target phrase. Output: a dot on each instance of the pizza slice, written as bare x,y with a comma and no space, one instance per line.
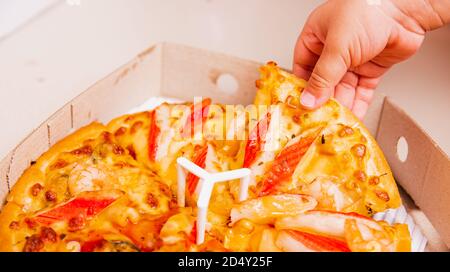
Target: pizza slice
341,165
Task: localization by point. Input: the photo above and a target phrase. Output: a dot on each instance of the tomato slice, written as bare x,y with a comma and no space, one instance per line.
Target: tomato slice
200,160
284,165
198,112
87,205
256,139
318,242
153,136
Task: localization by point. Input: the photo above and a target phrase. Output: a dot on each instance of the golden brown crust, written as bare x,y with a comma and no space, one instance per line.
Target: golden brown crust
9,213
20,193
35,172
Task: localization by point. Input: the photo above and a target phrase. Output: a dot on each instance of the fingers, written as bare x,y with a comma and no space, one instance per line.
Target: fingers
345,90
369,76
363,96
370,69
328,72
306,54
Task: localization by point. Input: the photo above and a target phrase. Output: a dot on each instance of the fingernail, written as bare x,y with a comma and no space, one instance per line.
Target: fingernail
307,99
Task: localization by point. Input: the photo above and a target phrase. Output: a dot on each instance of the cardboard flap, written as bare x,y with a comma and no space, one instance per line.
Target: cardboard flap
189,72
27,151
425,174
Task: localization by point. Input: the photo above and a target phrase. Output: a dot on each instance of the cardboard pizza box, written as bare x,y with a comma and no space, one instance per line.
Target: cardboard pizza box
177,71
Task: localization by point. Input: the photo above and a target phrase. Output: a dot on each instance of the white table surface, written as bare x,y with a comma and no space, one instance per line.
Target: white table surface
47,62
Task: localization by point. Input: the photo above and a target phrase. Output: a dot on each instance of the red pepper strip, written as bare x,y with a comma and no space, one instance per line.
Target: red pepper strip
87,206
198,112
153,136
318,242
256,139
200,160
284,165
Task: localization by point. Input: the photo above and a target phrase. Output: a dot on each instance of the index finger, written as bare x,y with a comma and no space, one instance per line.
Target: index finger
306,54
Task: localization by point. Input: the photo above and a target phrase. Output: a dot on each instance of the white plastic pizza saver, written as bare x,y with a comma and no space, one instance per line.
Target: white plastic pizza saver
206,183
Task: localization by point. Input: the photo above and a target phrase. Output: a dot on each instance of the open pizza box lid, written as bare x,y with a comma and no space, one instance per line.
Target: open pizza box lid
176,71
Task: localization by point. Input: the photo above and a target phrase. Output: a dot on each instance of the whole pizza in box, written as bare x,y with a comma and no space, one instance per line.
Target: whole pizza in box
317,177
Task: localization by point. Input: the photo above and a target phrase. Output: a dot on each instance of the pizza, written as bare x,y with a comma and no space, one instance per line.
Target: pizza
317,178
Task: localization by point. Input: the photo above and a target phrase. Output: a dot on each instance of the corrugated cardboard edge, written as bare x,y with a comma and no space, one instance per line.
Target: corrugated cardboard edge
4,179
425,175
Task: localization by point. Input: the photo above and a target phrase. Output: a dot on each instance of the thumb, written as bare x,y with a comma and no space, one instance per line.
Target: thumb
327,73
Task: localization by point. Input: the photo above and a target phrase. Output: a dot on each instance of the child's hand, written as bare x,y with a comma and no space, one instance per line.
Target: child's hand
347,45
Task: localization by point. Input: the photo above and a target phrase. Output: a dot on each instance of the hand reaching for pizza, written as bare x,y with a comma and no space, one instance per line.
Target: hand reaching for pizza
347,45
